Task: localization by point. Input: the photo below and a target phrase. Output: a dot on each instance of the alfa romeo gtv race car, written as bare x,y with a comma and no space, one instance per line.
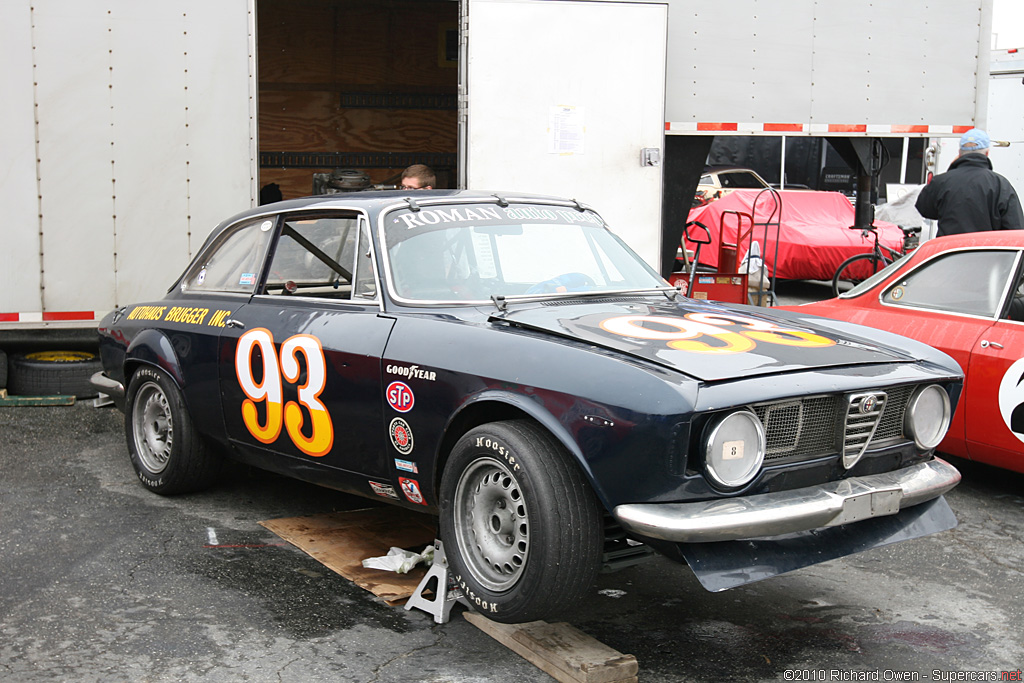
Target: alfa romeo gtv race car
506,363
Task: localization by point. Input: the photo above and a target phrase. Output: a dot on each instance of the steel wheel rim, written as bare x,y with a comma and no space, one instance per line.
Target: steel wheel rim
491,524
153,427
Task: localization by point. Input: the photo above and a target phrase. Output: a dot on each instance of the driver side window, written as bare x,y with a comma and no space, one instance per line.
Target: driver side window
971,282
316,257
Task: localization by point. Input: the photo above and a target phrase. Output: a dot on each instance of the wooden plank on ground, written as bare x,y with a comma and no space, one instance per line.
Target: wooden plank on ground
561,650
342,540
14,401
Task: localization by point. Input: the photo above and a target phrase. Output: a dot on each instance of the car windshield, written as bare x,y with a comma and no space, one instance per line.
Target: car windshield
471,252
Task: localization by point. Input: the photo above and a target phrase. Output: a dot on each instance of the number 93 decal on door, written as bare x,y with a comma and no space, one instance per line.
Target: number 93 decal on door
270,390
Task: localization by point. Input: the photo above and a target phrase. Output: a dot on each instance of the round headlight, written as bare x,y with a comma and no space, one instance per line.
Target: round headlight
927,417
734,448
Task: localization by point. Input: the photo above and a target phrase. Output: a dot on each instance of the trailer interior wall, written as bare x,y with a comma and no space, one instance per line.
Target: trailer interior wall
369,85
131,130
563,99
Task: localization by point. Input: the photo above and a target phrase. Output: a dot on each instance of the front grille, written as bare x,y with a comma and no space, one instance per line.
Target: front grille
800,428
815,426
863,412
891,424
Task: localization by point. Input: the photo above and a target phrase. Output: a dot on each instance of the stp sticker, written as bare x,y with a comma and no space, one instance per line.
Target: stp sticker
401,437
384,490
411,489
400,397
406,465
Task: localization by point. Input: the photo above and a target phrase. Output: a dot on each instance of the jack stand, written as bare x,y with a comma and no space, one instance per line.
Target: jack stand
440,606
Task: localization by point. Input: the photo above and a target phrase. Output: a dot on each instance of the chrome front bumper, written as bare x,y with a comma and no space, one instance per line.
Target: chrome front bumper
784,512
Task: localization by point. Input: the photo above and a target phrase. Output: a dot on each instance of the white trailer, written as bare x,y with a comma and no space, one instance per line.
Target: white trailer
129,129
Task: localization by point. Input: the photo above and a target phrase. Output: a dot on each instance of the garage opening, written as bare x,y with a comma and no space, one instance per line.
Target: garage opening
352,92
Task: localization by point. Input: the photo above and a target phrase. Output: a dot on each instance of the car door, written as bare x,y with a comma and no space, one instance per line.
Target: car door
995,388
218,283
952,302
300,363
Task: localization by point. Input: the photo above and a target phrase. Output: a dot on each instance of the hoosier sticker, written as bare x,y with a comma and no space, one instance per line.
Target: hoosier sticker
401,436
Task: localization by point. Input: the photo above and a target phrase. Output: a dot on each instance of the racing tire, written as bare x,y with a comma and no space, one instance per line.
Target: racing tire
52,373
166,452
872,263
522,530
3,369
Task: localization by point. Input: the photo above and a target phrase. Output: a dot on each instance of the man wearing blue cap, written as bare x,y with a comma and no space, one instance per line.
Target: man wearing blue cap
970,196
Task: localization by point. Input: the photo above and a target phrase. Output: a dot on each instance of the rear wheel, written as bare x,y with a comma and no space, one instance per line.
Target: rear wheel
166,452
856,269
521,527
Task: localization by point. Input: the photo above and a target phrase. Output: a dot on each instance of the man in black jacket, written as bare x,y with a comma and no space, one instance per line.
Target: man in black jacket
970,196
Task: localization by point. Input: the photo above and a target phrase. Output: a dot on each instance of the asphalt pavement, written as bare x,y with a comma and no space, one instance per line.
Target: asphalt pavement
101,580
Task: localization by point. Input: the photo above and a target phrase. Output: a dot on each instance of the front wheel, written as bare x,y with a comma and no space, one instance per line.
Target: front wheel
856,269
521,527
166,452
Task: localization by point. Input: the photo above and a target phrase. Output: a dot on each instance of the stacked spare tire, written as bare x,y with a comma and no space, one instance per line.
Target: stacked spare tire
49,373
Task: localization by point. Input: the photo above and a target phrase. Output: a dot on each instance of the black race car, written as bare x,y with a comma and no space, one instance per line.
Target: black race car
506,363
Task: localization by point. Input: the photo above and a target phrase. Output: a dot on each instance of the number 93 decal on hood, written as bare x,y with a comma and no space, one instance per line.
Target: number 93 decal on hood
694,332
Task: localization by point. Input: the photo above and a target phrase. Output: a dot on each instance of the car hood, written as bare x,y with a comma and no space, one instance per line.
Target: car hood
706,340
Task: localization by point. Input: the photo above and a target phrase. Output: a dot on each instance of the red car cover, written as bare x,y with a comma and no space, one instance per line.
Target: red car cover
814,234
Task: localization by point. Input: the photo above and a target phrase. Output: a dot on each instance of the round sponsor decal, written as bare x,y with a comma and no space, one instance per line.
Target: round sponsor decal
1011,398
201,277
411,489
401,436
400,397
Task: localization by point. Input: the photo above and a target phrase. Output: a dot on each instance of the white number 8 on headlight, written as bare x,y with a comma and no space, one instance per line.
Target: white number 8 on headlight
734,447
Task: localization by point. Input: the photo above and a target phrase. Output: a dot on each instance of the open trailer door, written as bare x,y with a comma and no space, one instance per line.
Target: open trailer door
568,98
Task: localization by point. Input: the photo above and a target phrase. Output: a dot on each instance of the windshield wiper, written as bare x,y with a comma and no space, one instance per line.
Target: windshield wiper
501,301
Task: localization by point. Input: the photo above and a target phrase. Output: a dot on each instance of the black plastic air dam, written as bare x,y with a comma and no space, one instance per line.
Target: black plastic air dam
727,564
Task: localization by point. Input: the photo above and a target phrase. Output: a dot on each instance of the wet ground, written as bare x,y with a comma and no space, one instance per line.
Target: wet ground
101,580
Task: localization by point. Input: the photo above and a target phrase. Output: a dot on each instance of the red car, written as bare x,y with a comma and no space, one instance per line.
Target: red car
962,294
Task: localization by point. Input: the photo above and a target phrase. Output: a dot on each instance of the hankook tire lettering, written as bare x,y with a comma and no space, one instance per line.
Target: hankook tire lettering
685,333
270,390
